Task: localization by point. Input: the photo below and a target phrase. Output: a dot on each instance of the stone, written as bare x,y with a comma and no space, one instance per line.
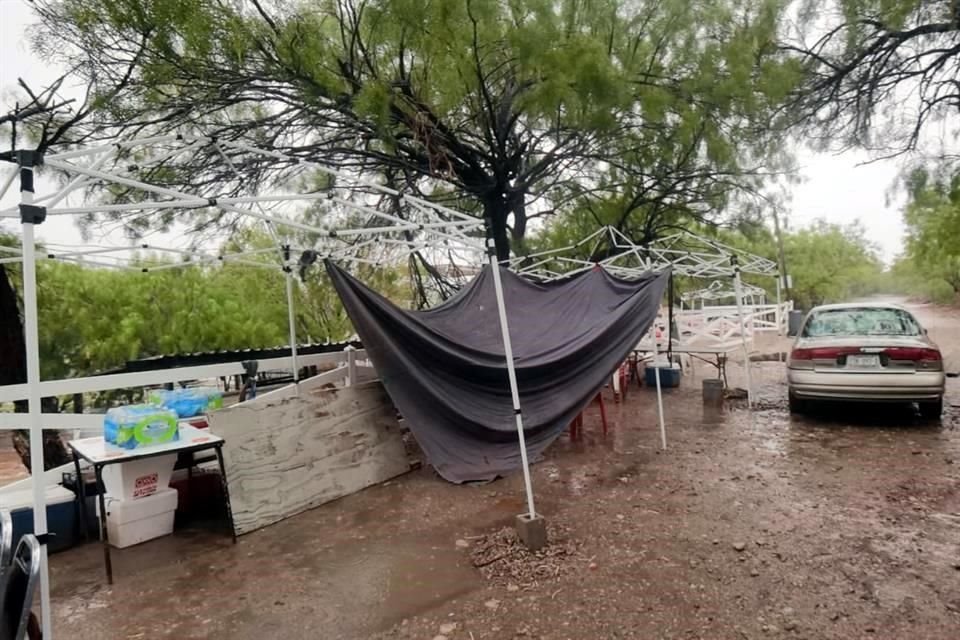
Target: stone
790,625
754,573
739,546
532,531
462,544
447,628
493,605
512,588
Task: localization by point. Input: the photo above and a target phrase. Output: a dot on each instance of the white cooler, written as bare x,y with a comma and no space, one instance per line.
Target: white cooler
131,522
138,479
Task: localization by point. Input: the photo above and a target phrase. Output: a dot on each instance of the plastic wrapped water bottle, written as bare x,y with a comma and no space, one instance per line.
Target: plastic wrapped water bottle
189,402
140,425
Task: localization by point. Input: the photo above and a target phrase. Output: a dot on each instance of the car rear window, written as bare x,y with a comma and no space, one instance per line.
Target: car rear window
861,322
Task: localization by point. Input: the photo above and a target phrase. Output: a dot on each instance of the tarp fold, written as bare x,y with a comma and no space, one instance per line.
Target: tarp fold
445,369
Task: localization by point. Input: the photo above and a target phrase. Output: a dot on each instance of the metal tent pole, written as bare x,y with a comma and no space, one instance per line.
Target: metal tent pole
30,216
778,316
511,374
743,334
293,329
670,319
656,375
288,271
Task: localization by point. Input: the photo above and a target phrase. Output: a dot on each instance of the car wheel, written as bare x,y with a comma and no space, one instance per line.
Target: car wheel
932,410
796,404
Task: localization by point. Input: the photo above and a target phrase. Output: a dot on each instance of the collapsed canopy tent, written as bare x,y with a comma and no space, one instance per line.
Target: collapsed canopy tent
446,371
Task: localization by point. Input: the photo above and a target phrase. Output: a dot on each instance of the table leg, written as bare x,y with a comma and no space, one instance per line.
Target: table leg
82,496
188,508
226,492
104,536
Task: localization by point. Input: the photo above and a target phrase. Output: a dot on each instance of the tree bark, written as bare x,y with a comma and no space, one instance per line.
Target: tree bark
518,207
495,210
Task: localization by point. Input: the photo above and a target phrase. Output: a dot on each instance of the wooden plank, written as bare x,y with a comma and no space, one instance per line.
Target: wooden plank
286,453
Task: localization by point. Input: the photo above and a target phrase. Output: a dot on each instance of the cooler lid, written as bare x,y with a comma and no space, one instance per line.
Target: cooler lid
19,500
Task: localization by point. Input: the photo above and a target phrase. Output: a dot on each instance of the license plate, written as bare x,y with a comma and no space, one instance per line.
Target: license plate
863,362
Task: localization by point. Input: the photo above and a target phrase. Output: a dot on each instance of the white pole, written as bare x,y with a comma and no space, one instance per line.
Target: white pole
32,339
656,375
779,315
743,334
351,365
293,328
511,374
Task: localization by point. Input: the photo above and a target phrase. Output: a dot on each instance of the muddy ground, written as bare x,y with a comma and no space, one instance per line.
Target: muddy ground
757,524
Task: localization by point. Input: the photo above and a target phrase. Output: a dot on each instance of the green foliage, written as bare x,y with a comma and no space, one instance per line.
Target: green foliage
932,217
831,263
908,278
653,111
96,319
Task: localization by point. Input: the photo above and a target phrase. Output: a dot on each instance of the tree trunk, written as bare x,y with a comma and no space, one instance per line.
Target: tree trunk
780,252
495,211
518,207
14,371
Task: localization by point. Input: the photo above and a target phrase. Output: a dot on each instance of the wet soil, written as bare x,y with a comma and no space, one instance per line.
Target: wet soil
844,524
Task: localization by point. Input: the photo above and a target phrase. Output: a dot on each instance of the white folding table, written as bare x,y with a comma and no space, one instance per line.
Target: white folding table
100,454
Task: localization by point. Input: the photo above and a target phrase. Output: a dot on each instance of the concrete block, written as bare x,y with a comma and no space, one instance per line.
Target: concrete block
532,531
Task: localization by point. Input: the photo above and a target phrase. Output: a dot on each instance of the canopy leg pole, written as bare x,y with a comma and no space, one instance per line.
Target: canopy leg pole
293,326
670,319
512,374
779,314
31,337
656,375
743,333
779,318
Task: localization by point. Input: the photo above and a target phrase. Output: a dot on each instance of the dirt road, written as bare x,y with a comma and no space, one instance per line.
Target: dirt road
750,525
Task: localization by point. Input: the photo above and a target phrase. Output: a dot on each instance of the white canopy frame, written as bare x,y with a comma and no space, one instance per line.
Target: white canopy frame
430,228
686,253
719,290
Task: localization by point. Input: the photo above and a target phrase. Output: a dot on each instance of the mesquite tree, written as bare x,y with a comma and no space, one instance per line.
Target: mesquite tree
500,106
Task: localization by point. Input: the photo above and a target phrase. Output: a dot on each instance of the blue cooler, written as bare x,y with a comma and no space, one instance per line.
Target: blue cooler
61,515
669,376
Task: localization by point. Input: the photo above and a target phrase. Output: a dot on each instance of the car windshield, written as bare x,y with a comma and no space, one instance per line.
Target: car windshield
864,321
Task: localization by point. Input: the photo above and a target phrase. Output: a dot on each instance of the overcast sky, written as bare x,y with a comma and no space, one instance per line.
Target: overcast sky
838,188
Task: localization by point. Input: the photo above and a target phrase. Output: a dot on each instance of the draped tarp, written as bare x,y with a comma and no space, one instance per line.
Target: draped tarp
446,372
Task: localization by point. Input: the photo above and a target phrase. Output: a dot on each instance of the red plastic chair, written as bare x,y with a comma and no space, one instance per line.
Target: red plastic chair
576,426
623,378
